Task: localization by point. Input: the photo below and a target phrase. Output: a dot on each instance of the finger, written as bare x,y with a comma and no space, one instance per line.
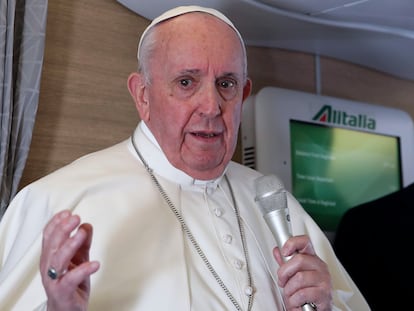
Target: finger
298,244
80,275
89,233
58,230
297,301
54,222
318,295
82,254
56,234
72,248
299,281
64,291
48,243
278,256
297,264
308,281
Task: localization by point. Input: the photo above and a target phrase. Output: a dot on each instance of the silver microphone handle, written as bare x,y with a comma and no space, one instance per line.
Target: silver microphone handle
278,223
309,307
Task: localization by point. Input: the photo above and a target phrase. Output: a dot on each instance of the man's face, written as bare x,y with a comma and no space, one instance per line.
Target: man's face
196,93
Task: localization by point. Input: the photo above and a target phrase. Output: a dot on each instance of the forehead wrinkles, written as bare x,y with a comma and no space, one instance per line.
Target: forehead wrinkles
182,38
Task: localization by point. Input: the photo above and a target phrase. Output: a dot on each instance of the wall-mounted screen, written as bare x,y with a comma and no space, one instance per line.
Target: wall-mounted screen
331,153
335,168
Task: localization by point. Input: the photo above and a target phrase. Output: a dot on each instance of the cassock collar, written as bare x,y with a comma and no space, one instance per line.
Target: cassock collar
156,159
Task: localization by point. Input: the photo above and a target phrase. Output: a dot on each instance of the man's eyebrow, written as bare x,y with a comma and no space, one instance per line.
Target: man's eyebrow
189,71
230,75
197,72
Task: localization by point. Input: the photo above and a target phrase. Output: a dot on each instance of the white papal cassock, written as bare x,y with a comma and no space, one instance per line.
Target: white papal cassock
147,262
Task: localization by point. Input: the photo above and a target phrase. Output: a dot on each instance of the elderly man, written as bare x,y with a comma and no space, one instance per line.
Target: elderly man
174,219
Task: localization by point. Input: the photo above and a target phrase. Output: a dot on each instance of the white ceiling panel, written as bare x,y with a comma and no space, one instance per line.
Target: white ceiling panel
378,34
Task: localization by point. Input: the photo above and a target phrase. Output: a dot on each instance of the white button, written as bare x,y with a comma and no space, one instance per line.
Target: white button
218,212
210,189
238,264
227,238
248,291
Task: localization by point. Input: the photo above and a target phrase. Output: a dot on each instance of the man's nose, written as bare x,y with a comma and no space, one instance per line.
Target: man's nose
210,101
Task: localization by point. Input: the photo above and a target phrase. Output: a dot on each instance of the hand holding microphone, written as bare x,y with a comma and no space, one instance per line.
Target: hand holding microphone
272,202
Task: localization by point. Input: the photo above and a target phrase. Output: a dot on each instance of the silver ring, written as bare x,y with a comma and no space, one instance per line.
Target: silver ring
52,273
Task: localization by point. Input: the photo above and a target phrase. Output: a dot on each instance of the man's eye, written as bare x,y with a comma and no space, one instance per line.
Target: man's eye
228,88
226,84
185,82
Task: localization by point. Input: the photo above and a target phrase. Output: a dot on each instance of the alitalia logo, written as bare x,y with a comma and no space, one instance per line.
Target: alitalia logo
328,115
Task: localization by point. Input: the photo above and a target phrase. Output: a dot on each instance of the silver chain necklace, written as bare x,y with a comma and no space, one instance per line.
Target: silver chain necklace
195,243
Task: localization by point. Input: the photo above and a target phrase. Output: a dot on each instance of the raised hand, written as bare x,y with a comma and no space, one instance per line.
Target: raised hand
64,263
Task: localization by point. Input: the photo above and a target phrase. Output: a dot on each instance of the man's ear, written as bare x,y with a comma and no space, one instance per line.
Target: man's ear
138,91
247,89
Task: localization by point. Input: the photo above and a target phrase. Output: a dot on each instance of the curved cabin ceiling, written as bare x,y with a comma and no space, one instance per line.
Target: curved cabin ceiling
378,34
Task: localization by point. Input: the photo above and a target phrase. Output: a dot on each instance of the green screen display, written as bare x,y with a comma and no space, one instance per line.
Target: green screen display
334,169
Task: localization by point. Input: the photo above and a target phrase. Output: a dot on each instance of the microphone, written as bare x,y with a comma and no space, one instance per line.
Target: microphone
272,201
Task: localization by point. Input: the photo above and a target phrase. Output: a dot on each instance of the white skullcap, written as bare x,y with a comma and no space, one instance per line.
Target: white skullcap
183,10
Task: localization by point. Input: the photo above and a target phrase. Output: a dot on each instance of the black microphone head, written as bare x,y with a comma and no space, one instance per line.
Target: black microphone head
270,193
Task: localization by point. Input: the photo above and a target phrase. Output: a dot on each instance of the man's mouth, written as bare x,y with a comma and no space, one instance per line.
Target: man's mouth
205,135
